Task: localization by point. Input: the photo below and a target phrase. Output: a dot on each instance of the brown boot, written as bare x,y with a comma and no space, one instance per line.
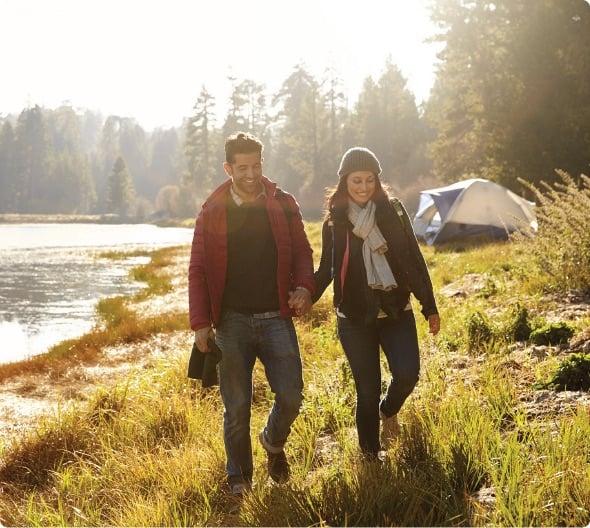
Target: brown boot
390,430
278,465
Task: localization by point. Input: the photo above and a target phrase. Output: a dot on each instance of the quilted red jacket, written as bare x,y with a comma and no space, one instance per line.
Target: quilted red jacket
208,264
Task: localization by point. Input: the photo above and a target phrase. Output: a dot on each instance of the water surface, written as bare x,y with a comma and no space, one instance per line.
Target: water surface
51,277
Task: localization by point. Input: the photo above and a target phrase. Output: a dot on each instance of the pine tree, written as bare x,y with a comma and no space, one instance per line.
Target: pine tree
387,121
8,196
32,160
234,120
297,159
108,151
333,116
120,189
199,143
511,97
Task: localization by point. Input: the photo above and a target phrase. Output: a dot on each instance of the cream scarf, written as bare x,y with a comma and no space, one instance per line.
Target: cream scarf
379,275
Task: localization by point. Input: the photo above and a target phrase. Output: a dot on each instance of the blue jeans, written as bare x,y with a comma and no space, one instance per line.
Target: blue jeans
242,338
399,342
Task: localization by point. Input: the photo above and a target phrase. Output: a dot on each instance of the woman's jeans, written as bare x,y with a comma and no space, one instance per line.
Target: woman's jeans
399,342
242,338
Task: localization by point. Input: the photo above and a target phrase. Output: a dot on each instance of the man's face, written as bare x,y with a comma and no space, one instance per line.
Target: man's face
246,173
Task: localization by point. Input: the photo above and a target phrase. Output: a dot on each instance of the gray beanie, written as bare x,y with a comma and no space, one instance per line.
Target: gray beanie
358,159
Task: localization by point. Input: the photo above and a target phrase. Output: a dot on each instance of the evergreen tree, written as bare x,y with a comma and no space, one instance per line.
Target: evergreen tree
333,114
201,171
297,161
70,189
120,189
8,196
133,147
512,98
108,151
234,120
387,121
32,160
163,167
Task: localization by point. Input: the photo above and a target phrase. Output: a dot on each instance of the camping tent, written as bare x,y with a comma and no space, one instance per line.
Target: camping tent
471,207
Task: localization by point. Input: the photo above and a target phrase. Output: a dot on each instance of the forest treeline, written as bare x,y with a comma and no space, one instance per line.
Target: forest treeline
511,100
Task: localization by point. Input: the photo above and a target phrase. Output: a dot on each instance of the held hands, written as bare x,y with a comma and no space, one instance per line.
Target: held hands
201,337
300,301
434,324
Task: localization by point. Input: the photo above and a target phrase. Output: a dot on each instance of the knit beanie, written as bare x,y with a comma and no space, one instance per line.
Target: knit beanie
358,159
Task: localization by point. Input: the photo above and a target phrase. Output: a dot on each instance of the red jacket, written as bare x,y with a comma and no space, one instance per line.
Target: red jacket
208,264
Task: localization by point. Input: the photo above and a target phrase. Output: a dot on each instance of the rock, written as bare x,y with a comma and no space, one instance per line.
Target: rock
465,286
543,403
539,351
486,496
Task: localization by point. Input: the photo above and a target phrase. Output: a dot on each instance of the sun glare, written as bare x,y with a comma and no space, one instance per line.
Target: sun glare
149,59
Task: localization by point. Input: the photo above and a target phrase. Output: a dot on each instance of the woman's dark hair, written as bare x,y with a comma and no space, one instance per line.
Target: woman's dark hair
337,198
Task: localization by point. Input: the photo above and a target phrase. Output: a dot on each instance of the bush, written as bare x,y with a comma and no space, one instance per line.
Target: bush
562,244
479,331
571,374
552,334
519,326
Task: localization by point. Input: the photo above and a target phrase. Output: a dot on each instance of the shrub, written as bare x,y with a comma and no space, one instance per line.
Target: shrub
571,374
562,244
552,334
479,331
519,326
490,288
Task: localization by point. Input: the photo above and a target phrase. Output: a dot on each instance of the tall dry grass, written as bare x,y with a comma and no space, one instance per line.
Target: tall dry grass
151,452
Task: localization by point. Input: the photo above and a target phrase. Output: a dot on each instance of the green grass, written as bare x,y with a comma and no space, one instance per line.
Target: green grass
151,452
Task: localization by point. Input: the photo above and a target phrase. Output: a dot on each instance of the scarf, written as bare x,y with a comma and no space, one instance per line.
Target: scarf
379,275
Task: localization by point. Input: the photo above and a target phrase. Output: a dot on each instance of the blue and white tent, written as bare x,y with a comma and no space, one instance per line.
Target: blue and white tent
471,207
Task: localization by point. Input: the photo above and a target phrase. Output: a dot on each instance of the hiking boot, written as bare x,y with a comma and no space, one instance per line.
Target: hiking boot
278,465
390,430
239,489
238,486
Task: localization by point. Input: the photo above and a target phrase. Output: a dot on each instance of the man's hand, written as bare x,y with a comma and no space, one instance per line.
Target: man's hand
434,323
201,337
300,301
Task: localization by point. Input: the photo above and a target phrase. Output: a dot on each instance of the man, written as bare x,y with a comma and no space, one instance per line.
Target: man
251,269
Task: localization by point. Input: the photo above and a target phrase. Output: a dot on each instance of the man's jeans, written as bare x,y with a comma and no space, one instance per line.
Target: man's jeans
361,345
242,338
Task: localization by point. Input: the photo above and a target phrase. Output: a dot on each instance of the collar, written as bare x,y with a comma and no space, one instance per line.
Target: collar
239,201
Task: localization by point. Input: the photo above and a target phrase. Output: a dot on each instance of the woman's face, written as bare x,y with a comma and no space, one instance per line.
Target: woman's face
361,186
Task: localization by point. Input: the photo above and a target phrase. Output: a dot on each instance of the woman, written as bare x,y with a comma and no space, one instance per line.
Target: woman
370,252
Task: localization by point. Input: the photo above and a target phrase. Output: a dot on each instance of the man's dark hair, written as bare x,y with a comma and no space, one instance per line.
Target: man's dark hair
241,143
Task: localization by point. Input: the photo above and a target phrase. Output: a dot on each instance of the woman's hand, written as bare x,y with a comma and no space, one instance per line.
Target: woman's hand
434,323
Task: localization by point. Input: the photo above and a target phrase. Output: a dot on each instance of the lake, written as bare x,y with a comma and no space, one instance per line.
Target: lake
51,277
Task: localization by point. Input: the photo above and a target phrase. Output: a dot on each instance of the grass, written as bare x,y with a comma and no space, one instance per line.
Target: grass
150,452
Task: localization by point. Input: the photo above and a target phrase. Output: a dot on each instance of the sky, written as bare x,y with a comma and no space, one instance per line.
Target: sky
149,59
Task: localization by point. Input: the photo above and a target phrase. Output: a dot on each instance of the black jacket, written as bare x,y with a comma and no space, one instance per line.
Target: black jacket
203,366
403,255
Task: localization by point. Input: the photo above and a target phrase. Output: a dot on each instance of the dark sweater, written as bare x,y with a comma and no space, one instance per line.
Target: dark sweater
251,280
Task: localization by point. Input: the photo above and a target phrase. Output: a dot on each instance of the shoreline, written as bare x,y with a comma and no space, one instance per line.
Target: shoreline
108,219
129,333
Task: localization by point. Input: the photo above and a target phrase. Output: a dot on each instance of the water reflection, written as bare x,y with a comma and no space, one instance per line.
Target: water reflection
51,278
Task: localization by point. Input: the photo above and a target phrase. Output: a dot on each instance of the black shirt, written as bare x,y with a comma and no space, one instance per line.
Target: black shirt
251,280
